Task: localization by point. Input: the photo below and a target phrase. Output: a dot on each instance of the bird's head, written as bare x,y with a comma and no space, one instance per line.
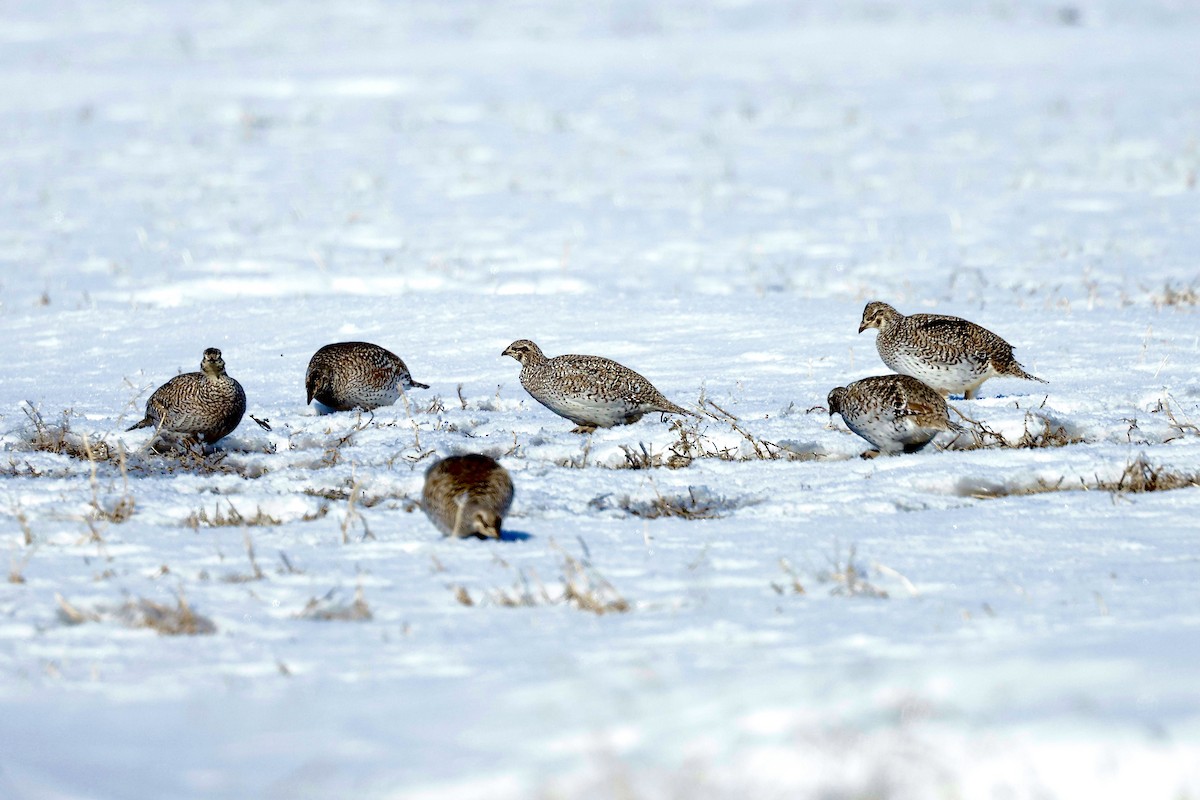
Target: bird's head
878,315
212,363
524,351
836,400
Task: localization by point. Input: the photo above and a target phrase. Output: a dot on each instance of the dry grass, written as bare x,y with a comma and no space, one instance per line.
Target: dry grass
255,574
16,567
793,585
577,461
844,576
693,443
109,508
580,586
1177,296
1138,477
1039,432
848,578
328,608
350,488
1183,429
57,437
354,517
693,505
23,522
232,518
166,620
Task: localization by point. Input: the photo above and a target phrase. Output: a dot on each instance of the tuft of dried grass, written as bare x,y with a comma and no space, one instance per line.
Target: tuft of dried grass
353,515
848,578
165,456
794,585
228,519
328,608
16,567
1138,477
580,586
1177,296
166,620
693,505
1039,432
255,574
58,438
693,443
1182,429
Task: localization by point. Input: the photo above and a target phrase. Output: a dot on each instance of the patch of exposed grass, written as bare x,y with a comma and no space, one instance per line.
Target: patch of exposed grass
580,586
696,504
255,573
844,576
1177,296
332,608
693,443
351,490
1138,477
1183,429
848,579
57,437
16,567
232,518
1039,432
166,620
793,585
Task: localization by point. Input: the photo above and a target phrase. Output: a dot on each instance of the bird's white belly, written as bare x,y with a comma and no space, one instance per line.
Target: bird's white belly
584,411
889,434
948,378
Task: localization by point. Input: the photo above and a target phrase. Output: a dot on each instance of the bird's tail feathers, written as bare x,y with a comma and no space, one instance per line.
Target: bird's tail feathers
1017,371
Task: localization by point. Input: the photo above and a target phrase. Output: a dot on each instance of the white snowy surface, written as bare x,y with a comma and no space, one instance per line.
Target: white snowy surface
708,192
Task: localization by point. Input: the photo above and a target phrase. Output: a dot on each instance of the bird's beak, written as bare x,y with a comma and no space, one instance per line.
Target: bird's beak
507,352
863,326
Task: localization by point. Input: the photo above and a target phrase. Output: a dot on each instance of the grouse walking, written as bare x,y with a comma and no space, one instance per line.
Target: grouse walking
205,405
895,413
356,375
948,353
467,495
591,391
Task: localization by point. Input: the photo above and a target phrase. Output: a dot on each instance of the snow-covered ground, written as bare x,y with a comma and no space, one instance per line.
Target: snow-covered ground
708,192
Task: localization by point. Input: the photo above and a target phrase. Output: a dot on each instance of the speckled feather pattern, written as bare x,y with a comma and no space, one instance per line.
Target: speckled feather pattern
350,375
951,354
207,404
895,413
467,495
591,391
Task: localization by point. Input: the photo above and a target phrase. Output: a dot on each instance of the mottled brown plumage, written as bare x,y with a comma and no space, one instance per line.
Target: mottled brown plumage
948,353
591,391
895,413
467,495
205,405
350,375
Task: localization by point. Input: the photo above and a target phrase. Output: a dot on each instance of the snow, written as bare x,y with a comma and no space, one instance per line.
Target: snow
707,192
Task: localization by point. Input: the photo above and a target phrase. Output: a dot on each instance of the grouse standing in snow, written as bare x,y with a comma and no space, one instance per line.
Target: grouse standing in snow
351,375
591,391
895,413
467,495
205,405
948,353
